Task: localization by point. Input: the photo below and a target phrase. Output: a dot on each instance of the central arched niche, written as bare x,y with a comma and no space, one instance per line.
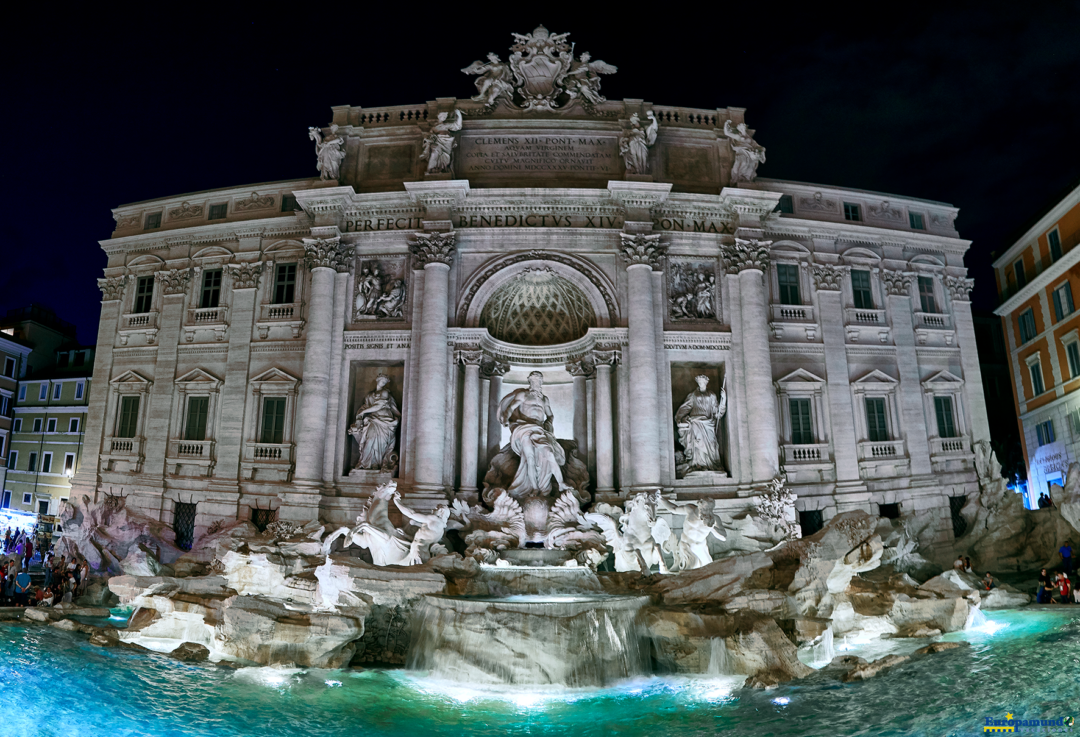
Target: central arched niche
538,307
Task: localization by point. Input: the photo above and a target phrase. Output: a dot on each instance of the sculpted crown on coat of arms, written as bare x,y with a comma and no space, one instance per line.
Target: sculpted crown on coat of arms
542,74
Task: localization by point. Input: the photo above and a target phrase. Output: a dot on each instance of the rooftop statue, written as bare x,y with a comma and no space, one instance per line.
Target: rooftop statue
541,74
748,153
440,143
634,144
329,152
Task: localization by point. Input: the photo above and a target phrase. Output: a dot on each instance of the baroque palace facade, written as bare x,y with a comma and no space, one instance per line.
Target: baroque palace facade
286,346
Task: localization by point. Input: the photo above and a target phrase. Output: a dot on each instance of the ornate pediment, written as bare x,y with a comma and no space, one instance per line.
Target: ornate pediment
131,377
197,378
943,380
876,377
800,376
274,376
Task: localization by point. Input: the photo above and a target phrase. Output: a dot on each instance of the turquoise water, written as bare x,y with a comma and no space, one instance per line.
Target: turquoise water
55,683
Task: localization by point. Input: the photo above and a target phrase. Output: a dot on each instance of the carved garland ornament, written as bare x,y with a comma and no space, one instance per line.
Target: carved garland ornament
327,253
112,288
173,282
434,248
827,278
638,248
246,276
959,287
745,254
255,202
897,283
126,221
491,368
185,211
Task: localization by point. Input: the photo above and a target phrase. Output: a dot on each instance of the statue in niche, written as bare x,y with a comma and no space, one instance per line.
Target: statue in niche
379,294
634,144
495,80
440,143
527,413
375,428
696,420
328,153
692,549
748,153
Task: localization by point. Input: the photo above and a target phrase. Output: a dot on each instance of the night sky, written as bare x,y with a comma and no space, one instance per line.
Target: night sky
977,105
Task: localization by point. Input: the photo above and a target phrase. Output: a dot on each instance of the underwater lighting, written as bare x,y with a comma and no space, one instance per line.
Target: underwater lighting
988,627
526,700
332,684
782,700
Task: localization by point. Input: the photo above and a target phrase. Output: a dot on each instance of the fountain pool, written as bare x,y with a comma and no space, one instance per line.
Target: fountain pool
56,683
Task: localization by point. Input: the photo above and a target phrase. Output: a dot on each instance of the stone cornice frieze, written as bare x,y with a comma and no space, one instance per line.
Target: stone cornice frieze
828,278
433,248
641,249
745,254
111,288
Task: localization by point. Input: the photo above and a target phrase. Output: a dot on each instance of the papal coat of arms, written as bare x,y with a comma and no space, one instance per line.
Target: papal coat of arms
542,74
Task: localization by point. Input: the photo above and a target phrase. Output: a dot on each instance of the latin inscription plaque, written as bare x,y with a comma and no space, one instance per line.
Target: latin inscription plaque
518,155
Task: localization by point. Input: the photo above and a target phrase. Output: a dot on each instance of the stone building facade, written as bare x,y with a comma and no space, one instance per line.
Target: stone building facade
619,248
1036,279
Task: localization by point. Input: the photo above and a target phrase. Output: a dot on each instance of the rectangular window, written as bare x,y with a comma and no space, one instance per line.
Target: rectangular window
273,424
13,458
786,205
69,463
1072,351
80,358
22,393
27,498
211,288
144,294
1036,378
946,424
7,499
32,464
2,439
78,388
851,212
128,421
889,511
218,212
284,284
810,521
1054,239
197,410
801,432
57,388
860,289
153,220
37,425
43,506
5,405
43,392
1045,432
9,368
73,424
926,294
788,276
1027,325
16,425
46,462
288,203
51,425
1063,301
1021,277
915,220
877,430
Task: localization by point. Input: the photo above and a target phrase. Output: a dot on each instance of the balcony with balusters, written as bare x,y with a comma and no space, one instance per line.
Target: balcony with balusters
951,454
122,454
883,458
138,323
932,328
280,315
268,461
793,321
191,457
864,325
808,463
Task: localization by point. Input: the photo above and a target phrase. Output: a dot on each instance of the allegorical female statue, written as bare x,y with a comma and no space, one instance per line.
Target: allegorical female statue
748,153
328,152
375,427
696,420
634,144
440,143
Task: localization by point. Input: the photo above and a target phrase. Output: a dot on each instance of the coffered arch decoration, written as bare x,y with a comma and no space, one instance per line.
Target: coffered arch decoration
537,307
595,287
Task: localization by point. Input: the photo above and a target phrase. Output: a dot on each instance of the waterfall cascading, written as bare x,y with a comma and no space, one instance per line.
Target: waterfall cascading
574,641
823,651
975,618
720,662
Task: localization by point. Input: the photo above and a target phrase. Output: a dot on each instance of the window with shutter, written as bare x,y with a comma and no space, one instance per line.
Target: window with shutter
860,288
876,428
273,425
788,277
1063,301
943,407
1072,350
801,431
128,422
195,427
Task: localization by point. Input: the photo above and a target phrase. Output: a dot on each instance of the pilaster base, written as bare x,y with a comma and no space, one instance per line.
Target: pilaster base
425,497
300,505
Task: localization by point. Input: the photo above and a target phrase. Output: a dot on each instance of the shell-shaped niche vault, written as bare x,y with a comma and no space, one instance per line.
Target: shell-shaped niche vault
538,307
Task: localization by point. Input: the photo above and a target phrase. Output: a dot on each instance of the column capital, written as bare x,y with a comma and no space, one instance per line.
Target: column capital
433,248
640,249
490,368
583,368
245,276
604,357
112,288
327,253
827,277
745,254
173,281
959,288
469,356
897,283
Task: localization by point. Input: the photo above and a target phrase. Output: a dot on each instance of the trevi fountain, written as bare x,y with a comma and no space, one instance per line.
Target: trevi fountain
537,412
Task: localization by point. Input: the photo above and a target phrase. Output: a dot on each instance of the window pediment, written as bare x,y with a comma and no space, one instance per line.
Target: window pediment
131,381
943,381
197,380
800,377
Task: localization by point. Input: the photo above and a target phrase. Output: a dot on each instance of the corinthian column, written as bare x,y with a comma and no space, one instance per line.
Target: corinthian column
435,252
470,420
605,454
642,253
323,257
749,258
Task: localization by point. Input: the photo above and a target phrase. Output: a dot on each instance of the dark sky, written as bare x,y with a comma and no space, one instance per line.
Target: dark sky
975,104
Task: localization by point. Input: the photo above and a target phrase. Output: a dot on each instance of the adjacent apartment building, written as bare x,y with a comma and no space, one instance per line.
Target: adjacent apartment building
13,361
1038,279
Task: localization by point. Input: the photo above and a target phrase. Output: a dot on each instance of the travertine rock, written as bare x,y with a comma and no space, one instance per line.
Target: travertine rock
191,652
954,583
106,533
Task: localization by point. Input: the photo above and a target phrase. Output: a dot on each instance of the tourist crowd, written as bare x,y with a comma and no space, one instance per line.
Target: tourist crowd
1054,588
64,579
